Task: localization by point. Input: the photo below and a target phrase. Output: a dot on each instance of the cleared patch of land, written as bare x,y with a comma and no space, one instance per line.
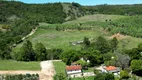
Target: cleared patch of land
18,65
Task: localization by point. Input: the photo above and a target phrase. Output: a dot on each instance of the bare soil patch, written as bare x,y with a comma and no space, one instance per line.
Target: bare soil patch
118,36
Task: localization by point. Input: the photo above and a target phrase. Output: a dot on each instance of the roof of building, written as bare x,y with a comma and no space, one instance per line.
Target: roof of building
78,67
110,68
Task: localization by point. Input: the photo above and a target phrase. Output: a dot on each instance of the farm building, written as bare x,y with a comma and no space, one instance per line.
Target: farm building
111,69
73,70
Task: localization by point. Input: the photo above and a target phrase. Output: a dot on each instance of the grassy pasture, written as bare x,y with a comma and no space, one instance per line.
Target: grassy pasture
60,39
96,17
18,65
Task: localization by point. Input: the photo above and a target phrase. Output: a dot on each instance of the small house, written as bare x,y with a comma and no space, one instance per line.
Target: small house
73,69
111,69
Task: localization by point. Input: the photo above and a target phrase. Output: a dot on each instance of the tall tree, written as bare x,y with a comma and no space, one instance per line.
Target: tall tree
102,45
27,52
113,44
40,51
123,60
69,56
86,42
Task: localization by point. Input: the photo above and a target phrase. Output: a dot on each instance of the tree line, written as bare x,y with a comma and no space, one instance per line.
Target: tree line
37,53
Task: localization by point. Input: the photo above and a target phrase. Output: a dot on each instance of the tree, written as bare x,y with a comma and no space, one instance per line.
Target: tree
83,63
108,56
136,66
53,54
69,56
113,44
95,57
26,52
86,42
123,60
102,45
124,74
40,51
135,53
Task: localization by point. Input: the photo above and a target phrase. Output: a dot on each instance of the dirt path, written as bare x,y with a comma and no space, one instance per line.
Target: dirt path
47,71
31,33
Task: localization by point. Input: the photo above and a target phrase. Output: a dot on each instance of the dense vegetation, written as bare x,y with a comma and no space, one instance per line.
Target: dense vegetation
18,19
115,9
20,77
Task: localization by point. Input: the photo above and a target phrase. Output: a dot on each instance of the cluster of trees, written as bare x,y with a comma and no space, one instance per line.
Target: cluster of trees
136,59
20,77
94,52
50,13
105,51
39,53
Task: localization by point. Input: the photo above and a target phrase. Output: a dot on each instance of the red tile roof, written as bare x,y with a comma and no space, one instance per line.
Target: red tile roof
78,67
109,68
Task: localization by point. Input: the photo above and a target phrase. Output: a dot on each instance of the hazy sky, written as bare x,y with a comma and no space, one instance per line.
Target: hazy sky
87,2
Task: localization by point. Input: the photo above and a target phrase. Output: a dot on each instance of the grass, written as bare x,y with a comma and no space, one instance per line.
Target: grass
86,78
18,65
59,66
96,17
129,43
60,39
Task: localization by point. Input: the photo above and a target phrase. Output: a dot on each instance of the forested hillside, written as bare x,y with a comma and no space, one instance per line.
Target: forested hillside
114,9
50,13
18,19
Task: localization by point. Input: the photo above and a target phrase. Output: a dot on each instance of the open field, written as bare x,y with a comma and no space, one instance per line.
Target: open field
18,65
96,17
60,39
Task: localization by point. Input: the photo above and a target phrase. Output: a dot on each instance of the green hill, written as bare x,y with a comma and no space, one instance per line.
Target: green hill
71,32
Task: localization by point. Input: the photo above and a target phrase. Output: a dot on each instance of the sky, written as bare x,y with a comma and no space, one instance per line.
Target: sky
86,2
